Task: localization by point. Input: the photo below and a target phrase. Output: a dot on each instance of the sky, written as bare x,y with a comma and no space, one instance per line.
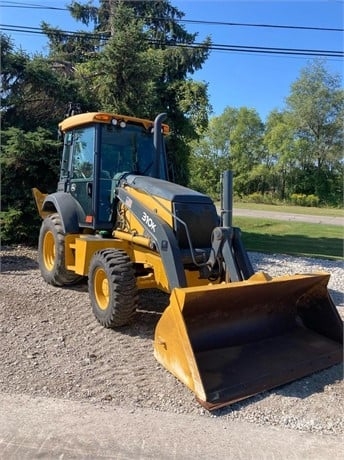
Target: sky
235,79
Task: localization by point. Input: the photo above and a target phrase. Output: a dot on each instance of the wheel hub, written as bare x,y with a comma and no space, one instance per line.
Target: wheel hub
49,251
101,289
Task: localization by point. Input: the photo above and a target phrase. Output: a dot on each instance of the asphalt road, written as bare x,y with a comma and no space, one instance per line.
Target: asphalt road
33,428
326,220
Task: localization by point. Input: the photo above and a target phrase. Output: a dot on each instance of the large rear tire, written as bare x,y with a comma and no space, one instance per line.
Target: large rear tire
112,287
51,253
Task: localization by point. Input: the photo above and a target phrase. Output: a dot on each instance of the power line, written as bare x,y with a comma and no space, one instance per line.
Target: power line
30,6
187,21
274,26
268,50
213,47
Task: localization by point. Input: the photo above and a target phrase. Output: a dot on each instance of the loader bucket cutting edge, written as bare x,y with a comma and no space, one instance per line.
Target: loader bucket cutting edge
228,342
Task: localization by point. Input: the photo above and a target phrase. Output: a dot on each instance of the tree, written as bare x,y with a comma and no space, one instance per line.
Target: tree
233,141
122,77
139,61
316,113
283,153
34,94
247,151
34,98
306,139
27,159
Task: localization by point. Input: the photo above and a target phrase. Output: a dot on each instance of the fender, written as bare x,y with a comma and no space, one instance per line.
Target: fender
69,209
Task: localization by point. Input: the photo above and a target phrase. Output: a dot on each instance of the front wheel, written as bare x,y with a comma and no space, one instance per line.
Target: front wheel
112,287
51,253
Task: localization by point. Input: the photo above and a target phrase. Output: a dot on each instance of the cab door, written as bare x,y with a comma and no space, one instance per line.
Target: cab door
82,171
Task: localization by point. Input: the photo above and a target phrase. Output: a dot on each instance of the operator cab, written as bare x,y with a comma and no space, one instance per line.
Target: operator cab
99,148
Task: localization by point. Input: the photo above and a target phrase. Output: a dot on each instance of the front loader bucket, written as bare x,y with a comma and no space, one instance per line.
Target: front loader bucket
230,341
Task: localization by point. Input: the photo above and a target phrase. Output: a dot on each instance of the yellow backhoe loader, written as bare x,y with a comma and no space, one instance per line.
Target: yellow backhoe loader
228,332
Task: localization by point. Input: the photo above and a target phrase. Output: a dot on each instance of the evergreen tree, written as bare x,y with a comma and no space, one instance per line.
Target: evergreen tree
27,160
34,91
34,98
138,60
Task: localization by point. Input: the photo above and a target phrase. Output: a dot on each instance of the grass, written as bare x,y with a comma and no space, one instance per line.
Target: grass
295,238
332,212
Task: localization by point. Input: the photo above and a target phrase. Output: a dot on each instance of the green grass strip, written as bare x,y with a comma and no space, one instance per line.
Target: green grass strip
332,212
295,238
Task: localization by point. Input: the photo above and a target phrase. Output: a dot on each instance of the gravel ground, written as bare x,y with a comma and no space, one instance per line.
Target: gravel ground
52,346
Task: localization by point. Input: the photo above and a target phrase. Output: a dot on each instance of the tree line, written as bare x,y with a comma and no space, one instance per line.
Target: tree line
138,60
296,156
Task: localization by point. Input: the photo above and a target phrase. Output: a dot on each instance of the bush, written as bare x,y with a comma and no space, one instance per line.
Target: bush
265,198
255,197
300,199
19,227
312,200
28,159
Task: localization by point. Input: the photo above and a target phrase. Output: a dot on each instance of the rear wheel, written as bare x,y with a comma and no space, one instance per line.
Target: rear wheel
112,287
51,253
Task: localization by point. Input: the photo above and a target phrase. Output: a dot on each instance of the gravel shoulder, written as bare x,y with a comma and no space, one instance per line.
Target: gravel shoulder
52,347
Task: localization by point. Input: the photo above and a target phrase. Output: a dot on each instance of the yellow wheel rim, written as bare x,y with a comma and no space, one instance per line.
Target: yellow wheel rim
101,289
49,251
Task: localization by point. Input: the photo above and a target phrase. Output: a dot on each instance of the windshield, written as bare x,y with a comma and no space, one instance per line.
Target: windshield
128,149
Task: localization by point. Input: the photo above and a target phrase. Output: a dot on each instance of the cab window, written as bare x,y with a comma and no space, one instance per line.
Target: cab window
83,153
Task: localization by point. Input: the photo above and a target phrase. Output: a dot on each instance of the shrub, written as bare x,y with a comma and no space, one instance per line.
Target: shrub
312,200
20,227
265,198
300,199
254,198
28,159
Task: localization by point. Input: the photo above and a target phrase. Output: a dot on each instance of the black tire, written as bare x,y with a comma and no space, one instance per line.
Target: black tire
112,287
51,253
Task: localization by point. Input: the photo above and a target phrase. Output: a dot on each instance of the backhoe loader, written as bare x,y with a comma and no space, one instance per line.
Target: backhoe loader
228,333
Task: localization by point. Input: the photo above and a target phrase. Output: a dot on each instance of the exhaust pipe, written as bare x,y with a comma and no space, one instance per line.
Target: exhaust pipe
158,142
227,198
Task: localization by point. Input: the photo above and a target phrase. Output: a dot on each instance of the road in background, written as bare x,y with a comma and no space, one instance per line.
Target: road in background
325,220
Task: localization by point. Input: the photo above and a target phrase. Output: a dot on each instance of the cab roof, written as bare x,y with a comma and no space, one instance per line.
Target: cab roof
81,119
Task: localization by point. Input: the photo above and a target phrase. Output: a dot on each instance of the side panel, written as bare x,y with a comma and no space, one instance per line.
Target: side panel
161,207
161,235
79,250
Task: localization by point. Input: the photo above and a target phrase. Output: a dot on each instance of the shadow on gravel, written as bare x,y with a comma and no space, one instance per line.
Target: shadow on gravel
17,263
80,286
300,389
337,297
152,304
